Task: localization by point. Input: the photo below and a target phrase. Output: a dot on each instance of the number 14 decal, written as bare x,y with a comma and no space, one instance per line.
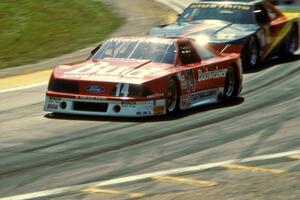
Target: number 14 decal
122,90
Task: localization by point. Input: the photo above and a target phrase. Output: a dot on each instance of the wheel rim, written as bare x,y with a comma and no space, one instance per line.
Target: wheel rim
230,83
172,97
253,53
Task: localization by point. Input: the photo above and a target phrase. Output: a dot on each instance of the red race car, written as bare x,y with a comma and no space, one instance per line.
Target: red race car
144,76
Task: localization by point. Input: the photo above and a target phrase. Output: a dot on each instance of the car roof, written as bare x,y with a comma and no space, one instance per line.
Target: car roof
242,2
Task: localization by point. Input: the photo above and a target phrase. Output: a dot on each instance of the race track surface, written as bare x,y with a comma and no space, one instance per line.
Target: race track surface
40,151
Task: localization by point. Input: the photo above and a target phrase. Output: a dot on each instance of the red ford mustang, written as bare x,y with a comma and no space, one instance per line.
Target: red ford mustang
144,76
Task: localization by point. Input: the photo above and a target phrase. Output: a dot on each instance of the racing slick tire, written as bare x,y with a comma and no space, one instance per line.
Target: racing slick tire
250,54
172,101
293,41
231,84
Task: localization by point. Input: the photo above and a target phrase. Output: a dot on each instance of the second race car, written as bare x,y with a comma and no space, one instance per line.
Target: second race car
255,29
144,76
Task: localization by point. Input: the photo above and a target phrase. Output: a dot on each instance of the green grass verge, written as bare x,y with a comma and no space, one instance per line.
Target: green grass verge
32,30
291,10
295,9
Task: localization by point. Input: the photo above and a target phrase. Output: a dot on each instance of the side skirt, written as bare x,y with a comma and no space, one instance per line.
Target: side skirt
201,98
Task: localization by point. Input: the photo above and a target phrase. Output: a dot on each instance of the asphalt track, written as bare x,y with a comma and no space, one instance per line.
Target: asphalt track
41,152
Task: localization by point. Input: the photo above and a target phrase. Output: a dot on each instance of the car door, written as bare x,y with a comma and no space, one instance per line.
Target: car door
273,24
200,69
263,21
212,71
190,60
278,26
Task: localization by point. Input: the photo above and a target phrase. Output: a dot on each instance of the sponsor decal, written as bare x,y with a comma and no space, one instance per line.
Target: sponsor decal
184,86
127,104
53,102
158,110
191,80
180,77
161,102
87,68
143,113
201,95
146,113
191,99
208,75
90,98
159,107
226,36
221,6
52,106
95,89
148,40
51,98
184,102
92,71
183,82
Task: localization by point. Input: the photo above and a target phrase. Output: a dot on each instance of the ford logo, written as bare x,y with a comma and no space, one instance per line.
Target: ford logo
95,89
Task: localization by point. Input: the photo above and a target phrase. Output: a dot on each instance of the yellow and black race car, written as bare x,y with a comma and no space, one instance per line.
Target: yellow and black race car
255,29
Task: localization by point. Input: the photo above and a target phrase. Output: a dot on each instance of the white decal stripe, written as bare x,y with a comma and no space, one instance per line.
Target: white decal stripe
146,176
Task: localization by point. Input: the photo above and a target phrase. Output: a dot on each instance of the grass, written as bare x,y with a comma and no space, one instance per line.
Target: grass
292,10
32,30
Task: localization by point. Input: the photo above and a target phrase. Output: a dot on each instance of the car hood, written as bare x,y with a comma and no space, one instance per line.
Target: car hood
215,30
114,70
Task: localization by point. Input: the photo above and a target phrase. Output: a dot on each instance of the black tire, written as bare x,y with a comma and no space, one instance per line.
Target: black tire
172,100
293,41
250,54
231,84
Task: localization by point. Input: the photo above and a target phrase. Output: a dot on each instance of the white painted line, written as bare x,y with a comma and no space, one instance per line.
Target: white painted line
146,176
23,87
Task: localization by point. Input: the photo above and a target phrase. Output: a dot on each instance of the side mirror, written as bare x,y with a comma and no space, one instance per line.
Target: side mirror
94,51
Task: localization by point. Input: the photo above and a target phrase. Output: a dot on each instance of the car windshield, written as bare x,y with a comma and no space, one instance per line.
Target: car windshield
239,14
156,50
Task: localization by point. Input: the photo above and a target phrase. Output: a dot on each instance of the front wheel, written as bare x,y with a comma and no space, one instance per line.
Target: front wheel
172,97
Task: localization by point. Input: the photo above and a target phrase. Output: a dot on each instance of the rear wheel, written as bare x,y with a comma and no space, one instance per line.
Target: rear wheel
230,88
293,41
172,97
250,54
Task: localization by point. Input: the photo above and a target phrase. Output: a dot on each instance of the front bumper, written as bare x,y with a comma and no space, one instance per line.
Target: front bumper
103,107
